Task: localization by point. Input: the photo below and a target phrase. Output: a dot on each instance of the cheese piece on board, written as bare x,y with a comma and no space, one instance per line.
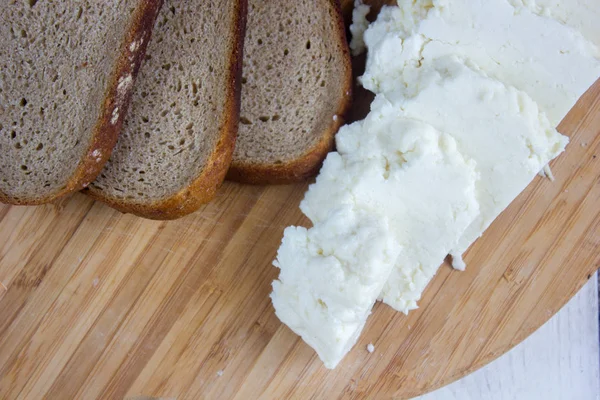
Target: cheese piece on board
581,15
498,126
412,174
331,275
550,61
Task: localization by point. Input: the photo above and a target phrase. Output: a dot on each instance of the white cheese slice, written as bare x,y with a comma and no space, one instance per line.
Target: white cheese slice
582,15
414,175
331,275
498,126
550,61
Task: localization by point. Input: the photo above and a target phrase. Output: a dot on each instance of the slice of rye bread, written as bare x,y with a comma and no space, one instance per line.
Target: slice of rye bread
66,73
178,139
296,89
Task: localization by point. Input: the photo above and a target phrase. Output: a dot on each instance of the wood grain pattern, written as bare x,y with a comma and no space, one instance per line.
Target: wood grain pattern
96,304
558,361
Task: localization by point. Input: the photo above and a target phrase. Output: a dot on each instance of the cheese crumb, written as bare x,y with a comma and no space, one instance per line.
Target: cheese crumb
125,83
134,46
358,27
458,263
548,172
370,348
115,116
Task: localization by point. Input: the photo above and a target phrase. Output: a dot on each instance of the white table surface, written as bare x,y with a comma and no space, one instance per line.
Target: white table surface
560,361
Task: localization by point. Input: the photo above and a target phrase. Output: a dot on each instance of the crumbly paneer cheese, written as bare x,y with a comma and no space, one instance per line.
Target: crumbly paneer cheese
411,173
331,275
497,126
550,61
358,27
582,15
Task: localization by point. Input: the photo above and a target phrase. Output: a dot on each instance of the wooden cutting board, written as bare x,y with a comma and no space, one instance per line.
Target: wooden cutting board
96,304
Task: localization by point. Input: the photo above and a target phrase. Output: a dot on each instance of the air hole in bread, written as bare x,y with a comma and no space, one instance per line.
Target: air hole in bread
264,119
245,121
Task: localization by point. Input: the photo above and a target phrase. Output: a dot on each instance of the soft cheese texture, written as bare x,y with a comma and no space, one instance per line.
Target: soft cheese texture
331,275
525,50
412,174
358,27
454,135
498,126
582,15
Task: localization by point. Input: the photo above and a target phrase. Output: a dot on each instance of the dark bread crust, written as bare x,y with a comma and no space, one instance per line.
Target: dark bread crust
310,162
107,129
205,186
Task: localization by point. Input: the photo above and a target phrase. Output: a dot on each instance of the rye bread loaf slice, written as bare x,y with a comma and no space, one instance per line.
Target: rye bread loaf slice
296,88
178,139
66,73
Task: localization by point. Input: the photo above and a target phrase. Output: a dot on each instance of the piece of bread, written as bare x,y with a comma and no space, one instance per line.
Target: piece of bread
66,73
296,88
177,142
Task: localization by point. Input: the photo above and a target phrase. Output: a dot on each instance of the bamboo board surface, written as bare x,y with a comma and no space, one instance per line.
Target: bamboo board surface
96,304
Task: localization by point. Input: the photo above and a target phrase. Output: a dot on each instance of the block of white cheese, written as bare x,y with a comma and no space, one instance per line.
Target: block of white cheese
331,275
550,61
415,176
582,15
497,126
